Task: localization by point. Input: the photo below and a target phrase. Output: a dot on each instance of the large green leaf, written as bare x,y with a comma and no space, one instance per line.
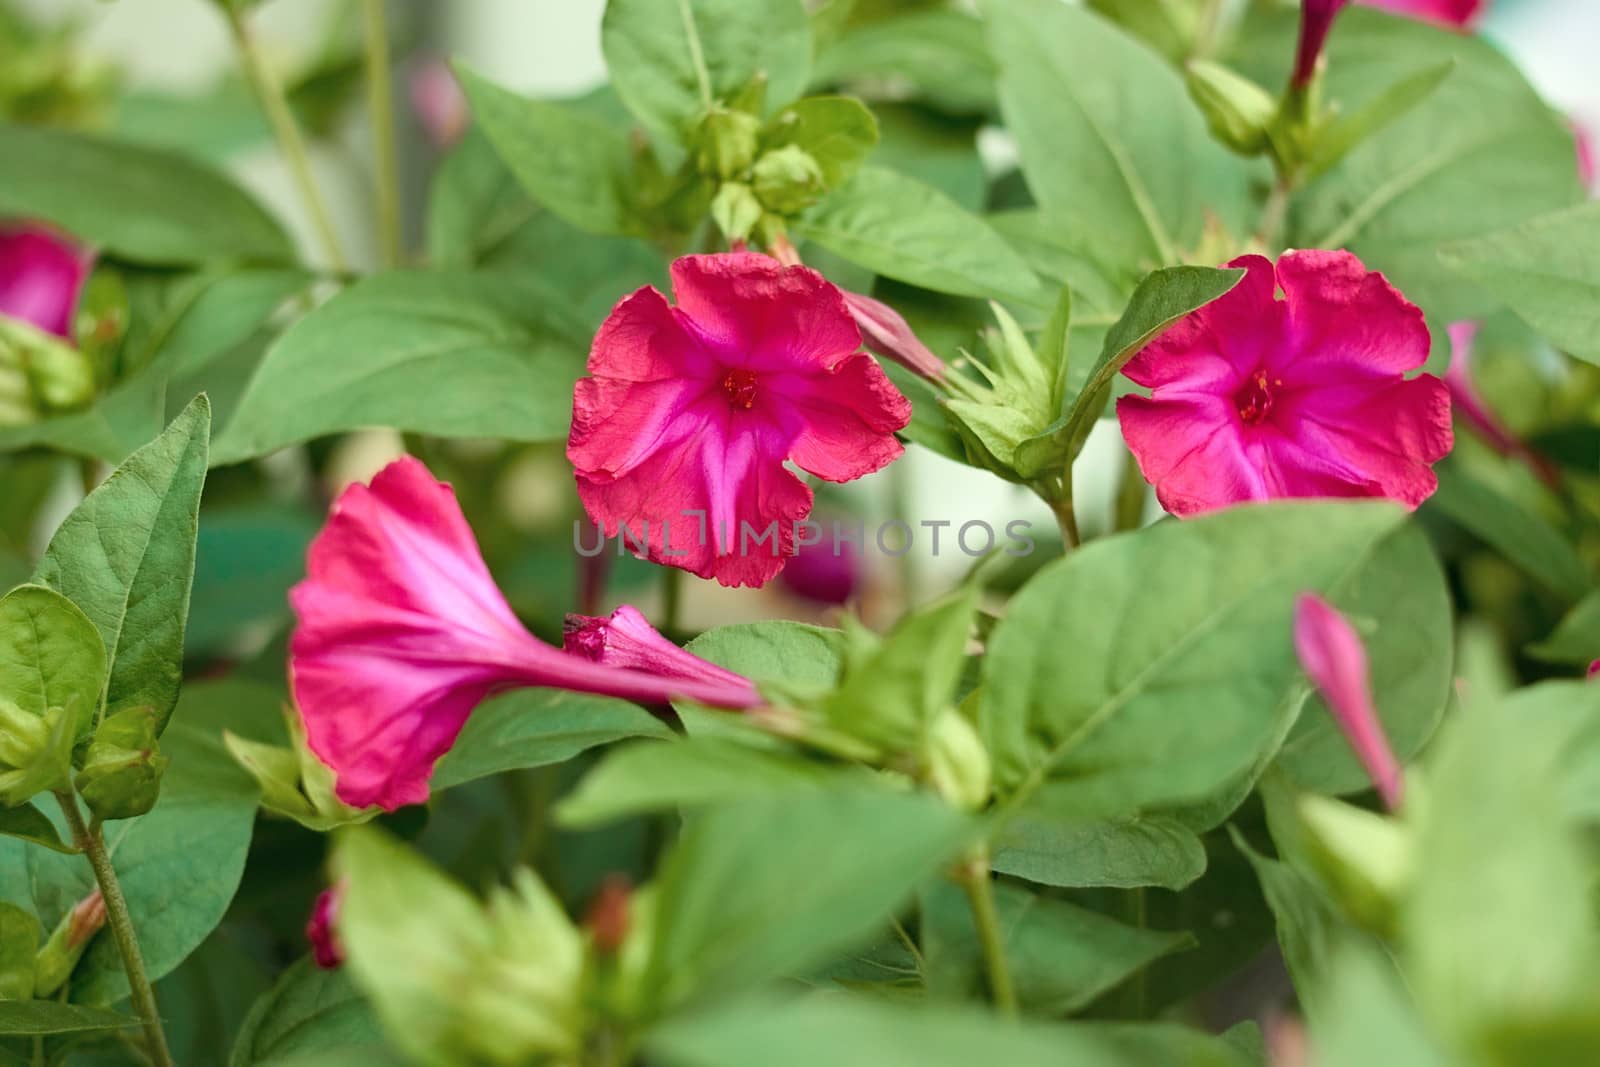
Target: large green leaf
1547,270
535,727
1369,1016
51,656
136,203
728,916
670,60
30,824
939,52
1523,536
1189,686
126,557
572,163
179,865
1481,153
440,353
1061,956
1122,852
309,1010
37,1017
901,228
1111,145
845,1031
1577,637
1309,926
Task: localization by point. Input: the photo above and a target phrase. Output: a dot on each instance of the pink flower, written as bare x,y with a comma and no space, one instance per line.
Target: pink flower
1257,398
1460,13
41,277
439,103
626,639
681,431
1588,164
1333,657
887,333
402,632
1469,404
825,571
1316,19
326,950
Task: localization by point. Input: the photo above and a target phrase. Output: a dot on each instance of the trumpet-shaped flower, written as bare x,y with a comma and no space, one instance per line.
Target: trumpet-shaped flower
1333,657
626,639
41,277
682,428
1253,397
1316,20
402,632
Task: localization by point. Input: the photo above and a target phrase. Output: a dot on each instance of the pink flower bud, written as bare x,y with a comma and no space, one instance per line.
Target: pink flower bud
1333,657
1460,14
825,571
1466,401
626,639
1316,19
325,947
41,277
87,919
439,103
610,914
887,333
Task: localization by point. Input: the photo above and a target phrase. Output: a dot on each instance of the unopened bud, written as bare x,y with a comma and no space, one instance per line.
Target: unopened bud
326,950
40,375
735,210
788,180
609,914
35,752
1238,110
887,333
121,775
725,143
958,764
67,944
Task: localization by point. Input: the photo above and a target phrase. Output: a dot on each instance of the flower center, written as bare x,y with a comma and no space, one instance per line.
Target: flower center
740,387
1254,398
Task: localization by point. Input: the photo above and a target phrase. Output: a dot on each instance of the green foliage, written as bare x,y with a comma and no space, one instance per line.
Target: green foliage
308,1010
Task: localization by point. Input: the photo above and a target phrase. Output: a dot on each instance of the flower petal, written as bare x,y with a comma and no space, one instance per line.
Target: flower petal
760,314
844,420
1190,448
1213,348
1345,321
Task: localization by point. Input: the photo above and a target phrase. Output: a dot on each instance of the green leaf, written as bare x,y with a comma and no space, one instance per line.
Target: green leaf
439,353
939,53
37,1017
126,557
1126,736
1546,271
30,824
309,1010
1112,147
179,865
1309,926
1523,536
1164,297
843,1031
1061,956
727,914
1576,638
1335,141
836,131
135,203
572,163
51,656
246,559
697,772
1481,153
670,61
901,228
794,653
1125,852
535,727
1370,1016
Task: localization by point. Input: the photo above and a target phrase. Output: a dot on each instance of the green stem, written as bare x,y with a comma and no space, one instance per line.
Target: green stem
1060,500
93,844
269,91
671,600
1131,490
980,896
1205,37
380,106
1138,993
1273,215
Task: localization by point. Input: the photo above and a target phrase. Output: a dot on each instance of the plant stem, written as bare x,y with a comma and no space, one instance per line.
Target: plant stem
979,886
270,93
1138,992
671,600
93,844
1273,214
1060,500
1129,510
380,106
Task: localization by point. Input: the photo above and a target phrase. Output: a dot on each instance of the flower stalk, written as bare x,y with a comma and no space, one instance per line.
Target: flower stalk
93,845
380,107
979,887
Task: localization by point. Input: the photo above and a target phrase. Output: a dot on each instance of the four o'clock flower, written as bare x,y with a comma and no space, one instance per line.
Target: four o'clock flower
626,639
1333,657
321,928
41,277
682,428
1466,401
402,632
1316,20
1458,13
1253,397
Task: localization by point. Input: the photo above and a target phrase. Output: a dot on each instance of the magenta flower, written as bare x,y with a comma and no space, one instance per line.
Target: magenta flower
1459,13
1467,402
326,951
1332,655
402,632
1257,398
1588,163
825,571
626,639
681,430
41,277
438,102
1316,20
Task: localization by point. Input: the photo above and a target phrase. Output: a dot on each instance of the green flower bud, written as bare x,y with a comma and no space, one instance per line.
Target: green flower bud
35,752
40,375
788,180
1011,399
19,944
121,775
725,143
958,764
1238,110
735,210
67,944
